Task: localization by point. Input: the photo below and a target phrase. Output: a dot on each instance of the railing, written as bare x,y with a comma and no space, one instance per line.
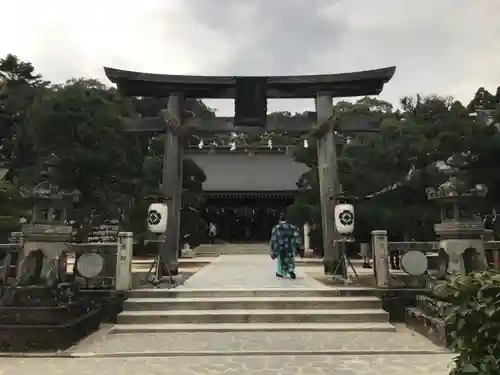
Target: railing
106,266
431,250
387,255
103,265
9,255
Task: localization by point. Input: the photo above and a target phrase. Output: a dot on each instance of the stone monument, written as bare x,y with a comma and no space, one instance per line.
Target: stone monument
46,234
461,229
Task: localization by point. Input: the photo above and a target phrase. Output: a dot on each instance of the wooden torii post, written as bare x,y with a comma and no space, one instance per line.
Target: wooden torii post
323,88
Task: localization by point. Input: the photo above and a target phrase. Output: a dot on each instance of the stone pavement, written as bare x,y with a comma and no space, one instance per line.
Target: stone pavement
234,365
254,271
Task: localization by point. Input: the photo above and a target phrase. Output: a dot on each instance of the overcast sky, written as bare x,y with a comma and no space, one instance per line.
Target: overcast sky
446,47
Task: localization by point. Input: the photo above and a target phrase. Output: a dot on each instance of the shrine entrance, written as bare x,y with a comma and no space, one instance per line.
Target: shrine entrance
245,218
250,95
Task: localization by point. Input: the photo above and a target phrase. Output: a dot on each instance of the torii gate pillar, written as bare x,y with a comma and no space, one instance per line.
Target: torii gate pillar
328,181
171,185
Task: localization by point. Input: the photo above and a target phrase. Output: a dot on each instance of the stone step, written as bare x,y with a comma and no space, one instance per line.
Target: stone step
239,303
341,291
258,343
253,327
215,253
223,249
254,316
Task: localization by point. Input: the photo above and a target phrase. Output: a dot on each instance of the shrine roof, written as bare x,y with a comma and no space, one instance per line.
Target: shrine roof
241,172
367,82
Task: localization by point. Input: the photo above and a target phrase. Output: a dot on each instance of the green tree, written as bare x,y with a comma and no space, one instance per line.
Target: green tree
19,87
483,99
80,143
390,170
11,208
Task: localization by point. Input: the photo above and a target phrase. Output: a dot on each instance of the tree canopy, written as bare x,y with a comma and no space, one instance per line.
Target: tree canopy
72,136
389,171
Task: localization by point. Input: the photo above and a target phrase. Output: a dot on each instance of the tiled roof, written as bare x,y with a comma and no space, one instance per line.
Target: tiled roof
241,172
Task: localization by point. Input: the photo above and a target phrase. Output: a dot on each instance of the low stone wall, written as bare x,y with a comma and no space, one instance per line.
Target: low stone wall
397,301
48,319
427,317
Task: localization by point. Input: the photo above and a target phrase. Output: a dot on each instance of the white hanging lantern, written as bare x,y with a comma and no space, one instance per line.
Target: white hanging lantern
344,218
157,218
306,144
200,145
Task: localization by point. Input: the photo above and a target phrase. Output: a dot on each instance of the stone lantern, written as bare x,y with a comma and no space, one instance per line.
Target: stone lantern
46,234
461,228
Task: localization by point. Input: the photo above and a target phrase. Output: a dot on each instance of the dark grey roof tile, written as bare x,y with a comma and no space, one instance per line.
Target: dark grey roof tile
242,172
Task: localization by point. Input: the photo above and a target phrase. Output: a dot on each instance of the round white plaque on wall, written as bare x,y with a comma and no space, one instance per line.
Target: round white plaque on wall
414,263
90,265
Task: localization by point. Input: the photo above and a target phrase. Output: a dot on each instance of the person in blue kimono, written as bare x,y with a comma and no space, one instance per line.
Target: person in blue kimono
285,244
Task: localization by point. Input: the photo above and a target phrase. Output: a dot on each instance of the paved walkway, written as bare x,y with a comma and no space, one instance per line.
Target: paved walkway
234,365
245,353
247,272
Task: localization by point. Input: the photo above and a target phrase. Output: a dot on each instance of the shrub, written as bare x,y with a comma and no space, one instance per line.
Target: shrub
474,323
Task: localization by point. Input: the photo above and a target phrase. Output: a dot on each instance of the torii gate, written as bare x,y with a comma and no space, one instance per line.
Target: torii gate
250,94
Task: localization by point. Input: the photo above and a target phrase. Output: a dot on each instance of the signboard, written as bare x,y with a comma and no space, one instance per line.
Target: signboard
250,102
107,232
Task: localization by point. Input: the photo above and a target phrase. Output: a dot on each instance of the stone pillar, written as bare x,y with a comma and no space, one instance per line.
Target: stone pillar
307,241
172,186
187,252
124,255
495,253
364,250
496,260
488,235
327,170
380,253
17,238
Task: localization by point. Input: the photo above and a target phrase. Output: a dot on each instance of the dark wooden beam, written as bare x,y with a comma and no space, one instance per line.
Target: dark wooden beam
219,125
144,124
368,82
292,125
365,123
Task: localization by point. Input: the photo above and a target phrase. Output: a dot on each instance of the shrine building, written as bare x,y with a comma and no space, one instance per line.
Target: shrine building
247,189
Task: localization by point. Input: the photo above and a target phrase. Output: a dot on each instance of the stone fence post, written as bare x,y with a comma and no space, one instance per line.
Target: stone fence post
488,236
124,256
307,240
17,238
380,258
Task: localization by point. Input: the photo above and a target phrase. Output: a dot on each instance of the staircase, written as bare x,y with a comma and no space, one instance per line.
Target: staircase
235,315
207,250
218,310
